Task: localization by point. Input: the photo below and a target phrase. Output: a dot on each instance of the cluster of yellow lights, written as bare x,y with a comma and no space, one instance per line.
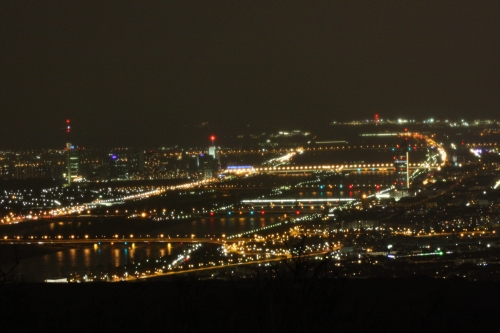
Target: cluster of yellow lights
481,144
345,166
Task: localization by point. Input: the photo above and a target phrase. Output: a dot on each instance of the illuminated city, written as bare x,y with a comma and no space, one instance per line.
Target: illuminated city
383,196
249,166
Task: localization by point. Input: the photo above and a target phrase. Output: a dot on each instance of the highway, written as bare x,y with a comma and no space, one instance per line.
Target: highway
336,168
200,269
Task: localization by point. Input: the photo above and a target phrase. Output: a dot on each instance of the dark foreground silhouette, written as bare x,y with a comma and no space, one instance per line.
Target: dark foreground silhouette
262,305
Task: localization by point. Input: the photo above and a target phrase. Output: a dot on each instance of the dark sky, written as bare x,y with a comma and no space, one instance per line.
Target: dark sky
147,73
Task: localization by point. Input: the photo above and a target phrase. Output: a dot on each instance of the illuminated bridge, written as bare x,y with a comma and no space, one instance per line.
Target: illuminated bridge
333,167
111,240
306,200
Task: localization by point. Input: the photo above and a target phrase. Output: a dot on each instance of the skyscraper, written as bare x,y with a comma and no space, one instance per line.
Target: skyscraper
72,164
401,167
212,151
72,157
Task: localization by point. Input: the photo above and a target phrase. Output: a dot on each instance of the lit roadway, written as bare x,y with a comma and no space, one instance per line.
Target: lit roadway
215,240
278,165
459,233
65,211
332,167
295,201
253,262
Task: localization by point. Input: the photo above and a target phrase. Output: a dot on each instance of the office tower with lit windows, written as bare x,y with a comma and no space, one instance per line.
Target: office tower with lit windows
72,163
72,157
401,167
212,151
118,166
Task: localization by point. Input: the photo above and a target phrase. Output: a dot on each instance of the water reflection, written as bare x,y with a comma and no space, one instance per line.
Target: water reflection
127,255
84,259
86,256
72,255
116,255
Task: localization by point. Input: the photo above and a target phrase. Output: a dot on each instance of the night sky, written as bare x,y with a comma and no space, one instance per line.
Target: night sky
150,73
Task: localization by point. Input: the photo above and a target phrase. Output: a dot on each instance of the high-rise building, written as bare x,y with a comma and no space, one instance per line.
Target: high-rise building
206,165
72,163
401,167
118,167
136,161
72,157
212,151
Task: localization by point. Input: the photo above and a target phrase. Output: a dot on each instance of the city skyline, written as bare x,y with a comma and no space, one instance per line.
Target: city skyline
249,165
200,137
152,74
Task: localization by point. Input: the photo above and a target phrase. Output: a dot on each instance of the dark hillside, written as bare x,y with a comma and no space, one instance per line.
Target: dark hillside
413,305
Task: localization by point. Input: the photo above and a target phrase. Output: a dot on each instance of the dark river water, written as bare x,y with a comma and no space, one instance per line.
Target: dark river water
106,256
89,258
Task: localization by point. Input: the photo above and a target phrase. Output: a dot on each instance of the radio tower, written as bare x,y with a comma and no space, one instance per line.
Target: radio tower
68,132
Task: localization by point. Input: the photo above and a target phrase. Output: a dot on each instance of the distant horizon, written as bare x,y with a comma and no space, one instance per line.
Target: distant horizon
198,137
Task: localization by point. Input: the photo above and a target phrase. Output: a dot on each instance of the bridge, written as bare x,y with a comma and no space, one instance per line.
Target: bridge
148,240
296,201
331,167
282,206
